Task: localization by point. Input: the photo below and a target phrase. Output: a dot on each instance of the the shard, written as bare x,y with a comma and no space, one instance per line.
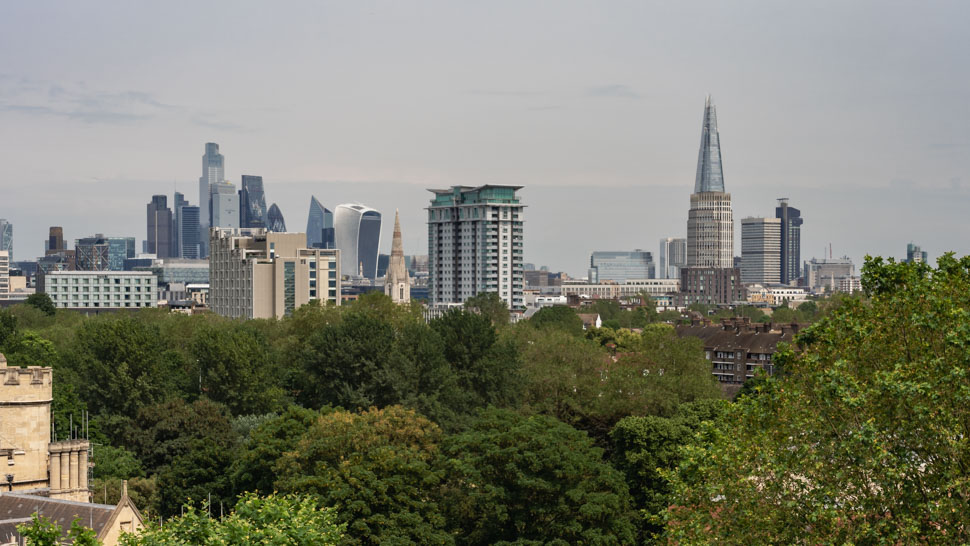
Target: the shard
710,221
710,176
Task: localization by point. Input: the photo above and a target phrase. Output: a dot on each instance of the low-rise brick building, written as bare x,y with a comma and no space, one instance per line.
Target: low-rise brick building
737,349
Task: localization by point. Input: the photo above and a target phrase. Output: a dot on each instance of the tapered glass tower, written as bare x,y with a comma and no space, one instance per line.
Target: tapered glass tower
710,221
319,226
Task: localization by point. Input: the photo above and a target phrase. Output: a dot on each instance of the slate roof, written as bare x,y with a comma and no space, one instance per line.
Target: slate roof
17,508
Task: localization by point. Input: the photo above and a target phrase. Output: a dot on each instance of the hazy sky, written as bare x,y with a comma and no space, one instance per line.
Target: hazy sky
856,111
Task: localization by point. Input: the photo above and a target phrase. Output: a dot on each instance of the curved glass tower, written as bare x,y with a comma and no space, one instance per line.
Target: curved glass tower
357,230
319,226
274,219
252,202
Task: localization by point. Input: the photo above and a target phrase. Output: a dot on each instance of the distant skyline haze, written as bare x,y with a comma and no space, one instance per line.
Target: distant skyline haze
855,111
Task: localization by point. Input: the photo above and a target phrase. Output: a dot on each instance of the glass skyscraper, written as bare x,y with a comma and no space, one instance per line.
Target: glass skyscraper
213,171
225,205
710,221
319,226
188,242
252,202
791,241
357,230
673,256
6,237
159,227
620,266
274,219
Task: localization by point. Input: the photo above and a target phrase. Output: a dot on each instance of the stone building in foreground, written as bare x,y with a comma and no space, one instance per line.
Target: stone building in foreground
44,476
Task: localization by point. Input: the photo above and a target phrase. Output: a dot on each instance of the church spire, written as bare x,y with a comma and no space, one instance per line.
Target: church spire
709,174
397,285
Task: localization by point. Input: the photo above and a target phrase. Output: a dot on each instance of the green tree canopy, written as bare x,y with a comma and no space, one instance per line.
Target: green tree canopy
377,468
533,480
490,305
42,302
559,317
865,440
284,520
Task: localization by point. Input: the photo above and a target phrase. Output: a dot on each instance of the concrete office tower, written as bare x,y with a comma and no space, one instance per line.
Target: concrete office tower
397,284
673,256
188,242
177,205
791,241
357,230
319,226
55,239
159,227
258,274
620,266
761,250
915,254
710,224
225,205
274,220
213,172
6,237
252,202
475,240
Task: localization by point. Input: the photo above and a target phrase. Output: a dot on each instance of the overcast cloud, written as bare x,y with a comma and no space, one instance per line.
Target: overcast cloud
856,111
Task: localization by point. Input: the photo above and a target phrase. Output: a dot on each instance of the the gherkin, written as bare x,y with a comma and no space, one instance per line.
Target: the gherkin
710,176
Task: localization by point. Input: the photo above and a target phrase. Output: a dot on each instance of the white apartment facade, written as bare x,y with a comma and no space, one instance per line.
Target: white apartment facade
99,290
475,244
655,288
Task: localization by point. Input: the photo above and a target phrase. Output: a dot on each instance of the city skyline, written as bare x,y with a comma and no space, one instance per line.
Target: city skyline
878,109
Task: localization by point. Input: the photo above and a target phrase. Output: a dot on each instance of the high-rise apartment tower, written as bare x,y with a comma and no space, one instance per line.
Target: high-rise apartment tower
475,240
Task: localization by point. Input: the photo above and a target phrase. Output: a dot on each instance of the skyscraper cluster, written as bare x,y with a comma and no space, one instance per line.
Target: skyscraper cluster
771,247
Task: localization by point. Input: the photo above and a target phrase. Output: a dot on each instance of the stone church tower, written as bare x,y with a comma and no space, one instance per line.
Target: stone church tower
397,285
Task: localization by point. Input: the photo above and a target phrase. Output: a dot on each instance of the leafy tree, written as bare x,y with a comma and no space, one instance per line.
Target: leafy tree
41,531
865,439
644,446
581,384
783,314
119,365
275,519
27,348
486,366
189,446
8,326
254,466
378,469
490,305
560,317
235,369
42,302
669,315
533,480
